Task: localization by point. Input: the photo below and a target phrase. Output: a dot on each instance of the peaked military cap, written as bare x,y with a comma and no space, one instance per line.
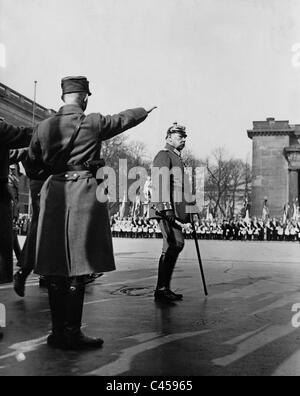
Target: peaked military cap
175,128
75,84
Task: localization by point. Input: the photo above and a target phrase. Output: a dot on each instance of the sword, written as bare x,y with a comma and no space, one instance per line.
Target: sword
179,223
199,258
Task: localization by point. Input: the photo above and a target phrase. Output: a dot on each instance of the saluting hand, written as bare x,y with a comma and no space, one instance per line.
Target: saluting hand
153,108
170,216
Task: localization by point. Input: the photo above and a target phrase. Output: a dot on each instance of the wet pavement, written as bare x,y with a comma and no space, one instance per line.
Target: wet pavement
246,326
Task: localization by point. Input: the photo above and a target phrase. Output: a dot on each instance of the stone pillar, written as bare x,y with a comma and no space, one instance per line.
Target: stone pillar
293,185
270,168
270,175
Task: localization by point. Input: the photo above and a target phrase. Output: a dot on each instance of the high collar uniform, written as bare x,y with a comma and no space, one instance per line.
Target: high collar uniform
174,193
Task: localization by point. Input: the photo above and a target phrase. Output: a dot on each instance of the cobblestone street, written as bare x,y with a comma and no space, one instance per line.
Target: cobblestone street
244,327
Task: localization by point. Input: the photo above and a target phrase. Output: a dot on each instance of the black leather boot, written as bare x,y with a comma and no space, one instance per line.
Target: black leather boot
20,281
161,280
163,291
178,296
57,292
74,338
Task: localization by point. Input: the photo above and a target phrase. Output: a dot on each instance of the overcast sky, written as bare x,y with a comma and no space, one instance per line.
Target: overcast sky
212,65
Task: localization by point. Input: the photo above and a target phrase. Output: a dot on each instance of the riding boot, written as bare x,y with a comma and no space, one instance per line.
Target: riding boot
74,338
57,292
163,291
19,281
161,273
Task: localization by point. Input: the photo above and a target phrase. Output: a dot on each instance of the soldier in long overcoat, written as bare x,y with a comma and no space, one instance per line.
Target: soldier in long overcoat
172,196
74,236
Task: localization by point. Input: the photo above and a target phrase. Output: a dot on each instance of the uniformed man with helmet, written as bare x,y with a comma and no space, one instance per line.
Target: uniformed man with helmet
177,186
74,236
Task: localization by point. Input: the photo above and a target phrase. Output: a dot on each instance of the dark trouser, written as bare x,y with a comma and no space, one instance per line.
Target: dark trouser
66,297
27,258
173,244
6,235
16,245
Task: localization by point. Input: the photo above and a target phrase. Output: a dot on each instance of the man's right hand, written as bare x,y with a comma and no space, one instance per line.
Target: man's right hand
152,108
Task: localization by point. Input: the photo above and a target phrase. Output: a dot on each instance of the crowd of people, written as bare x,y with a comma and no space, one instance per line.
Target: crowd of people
237,229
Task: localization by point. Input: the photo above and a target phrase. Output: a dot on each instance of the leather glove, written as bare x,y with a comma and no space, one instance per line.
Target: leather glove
170,216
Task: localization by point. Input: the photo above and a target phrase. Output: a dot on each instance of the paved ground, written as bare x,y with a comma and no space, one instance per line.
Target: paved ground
244,327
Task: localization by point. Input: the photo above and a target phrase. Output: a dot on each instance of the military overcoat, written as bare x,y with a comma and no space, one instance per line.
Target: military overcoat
172,190
74,235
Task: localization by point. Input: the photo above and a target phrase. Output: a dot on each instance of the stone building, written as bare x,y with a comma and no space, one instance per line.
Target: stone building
275,165
16,109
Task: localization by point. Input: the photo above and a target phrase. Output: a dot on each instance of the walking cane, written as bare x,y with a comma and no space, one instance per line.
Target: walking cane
162,216
199,258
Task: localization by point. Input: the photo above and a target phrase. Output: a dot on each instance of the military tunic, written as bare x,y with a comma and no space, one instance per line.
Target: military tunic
172,192
175,192
74,235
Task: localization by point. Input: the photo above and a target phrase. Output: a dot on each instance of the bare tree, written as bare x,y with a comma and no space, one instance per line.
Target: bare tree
217,181
228,180
247,178
114,149
120,148
236,175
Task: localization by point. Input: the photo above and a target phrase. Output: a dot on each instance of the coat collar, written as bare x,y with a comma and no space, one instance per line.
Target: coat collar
173,150
70,109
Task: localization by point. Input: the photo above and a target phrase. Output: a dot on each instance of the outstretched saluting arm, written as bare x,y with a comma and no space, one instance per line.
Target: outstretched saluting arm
111,126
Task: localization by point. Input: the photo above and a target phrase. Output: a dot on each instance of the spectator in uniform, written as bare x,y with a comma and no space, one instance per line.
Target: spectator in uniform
26,261
74,238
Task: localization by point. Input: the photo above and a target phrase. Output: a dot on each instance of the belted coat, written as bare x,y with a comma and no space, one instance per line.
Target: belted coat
74,235
172,190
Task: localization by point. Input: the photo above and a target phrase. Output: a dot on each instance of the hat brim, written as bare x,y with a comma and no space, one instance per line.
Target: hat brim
66,92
